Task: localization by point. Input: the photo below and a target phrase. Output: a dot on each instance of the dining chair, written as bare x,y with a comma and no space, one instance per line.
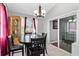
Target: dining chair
14,48
37,47
45,37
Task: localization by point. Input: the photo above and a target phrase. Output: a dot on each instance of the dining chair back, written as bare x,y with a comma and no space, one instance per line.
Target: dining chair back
37,47
12,48
45,37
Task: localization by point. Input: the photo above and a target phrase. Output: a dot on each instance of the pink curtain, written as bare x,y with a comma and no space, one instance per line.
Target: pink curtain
25,24
34,24
4,29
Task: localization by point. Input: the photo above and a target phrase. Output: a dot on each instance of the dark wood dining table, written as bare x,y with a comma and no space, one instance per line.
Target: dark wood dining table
27,41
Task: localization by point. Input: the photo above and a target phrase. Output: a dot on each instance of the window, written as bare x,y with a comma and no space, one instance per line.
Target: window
71,27
29,25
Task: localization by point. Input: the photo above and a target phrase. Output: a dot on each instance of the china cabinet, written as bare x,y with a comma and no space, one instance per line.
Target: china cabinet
14,25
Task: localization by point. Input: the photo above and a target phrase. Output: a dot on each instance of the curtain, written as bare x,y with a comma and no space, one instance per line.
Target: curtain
4,29
25,25
34,23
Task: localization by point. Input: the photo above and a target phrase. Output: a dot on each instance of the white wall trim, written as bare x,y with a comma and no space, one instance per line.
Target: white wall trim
64,15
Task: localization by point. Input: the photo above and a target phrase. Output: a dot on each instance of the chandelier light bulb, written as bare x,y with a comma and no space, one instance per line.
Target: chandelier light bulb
35,11
43,11
70,20
37,14
74,20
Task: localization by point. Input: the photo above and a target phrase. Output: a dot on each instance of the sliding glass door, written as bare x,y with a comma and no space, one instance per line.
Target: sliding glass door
67,32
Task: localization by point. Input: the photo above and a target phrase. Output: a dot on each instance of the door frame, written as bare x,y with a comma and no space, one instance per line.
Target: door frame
59,17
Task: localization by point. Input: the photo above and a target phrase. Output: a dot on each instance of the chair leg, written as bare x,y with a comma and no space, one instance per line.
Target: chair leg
12,53
9,53
44,53
22,52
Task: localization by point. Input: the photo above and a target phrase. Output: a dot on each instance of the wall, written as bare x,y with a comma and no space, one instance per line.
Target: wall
53,33
75,46
40,20
40,25
58,10
11,13
62,8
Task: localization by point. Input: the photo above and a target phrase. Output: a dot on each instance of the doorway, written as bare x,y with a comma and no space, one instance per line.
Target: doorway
54,32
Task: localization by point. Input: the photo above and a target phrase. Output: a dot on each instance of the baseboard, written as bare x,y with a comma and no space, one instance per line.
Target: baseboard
53,41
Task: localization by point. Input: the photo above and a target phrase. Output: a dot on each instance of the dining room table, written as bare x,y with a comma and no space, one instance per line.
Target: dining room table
26,41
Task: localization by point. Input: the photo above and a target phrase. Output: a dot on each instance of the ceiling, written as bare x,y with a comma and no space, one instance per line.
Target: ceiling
28,8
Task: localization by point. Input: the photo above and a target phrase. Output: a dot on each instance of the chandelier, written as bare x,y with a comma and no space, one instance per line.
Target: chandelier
40,12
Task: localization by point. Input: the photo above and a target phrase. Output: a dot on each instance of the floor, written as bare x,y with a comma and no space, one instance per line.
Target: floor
55,44
55,51
52,51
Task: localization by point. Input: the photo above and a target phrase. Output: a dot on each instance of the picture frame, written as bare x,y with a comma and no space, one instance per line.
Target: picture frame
55,22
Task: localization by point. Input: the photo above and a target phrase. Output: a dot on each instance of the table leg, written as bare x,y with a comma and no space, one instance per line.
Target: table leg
26,50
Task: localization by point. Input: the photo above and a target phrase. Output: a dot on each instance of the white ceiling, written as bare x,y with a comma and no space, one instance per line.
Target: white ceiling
28,8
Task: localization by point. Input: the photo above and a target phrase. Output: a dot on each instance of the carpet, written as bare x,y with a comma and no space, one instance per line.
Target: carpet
55,44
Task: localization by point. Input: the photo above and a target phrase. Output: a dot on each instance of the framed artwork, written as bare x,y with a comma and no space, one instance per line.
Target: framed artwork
55,23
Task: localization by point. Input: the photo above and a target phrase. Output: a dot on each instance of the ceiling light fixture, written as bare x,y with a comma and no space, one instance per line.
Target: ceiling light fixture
72,19
40,12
